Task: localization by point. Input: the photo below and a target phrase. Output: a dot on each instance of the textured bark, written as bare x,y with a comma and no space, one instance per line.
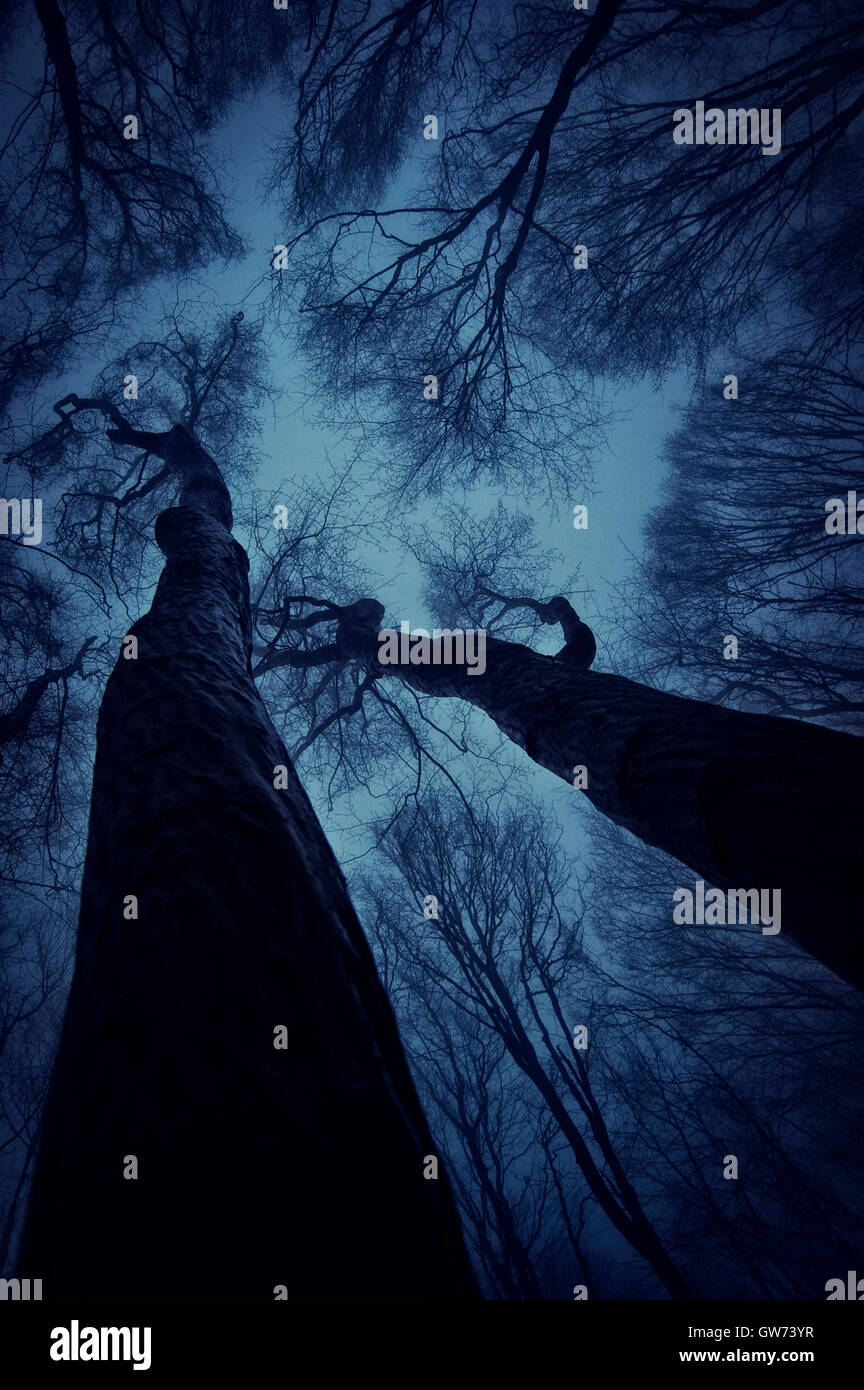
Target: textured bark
746,800
257,1167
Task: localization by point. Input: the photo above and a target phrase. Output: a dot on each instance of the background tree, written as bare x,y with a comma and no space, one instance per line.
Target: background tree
698,1049
48,690
755,562
565,141
91,211
710,1049
504,951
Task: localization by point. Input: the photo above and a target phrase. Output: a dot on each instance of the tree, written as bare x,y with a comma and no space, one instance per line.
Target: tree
93,205
754,562
562,235
742,799
696,1049
464,320
213,917
16,722
47,691
501,951
707,1048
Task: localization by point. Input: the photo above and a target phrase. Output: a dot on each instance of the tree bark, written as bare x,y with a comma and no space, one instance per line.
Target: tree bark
257,1167
745,800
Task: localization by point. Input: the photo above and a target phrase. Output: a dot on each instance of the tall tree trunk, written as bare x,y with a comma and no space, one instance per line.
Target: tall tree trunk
746,800
257,1166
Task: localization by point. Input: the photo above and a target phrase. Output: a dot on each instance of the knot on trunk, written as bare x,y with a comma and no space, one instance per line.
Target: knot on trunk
358,627
581,646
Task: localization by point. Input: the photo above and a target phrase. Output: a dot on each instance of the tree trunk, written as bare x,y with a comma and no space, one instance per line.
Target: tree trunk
257,1167
745,800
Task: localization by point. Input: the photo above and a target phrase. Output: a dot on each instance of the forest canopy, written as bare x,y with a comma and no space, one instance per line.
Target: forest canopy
325,319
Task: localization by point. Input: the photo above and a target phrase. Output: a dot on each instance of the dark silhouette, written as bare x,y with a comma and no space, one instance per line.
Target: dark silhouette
239,923
465,301
483,290
753,484
499,937
746,800
580,645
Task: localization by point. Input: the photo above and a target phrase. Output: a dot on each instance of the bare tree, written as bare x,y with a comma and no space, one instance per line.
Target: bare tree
94,205
564,142
743,799
504,950
188,950
36,948
708,1049
697,1051
753,561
